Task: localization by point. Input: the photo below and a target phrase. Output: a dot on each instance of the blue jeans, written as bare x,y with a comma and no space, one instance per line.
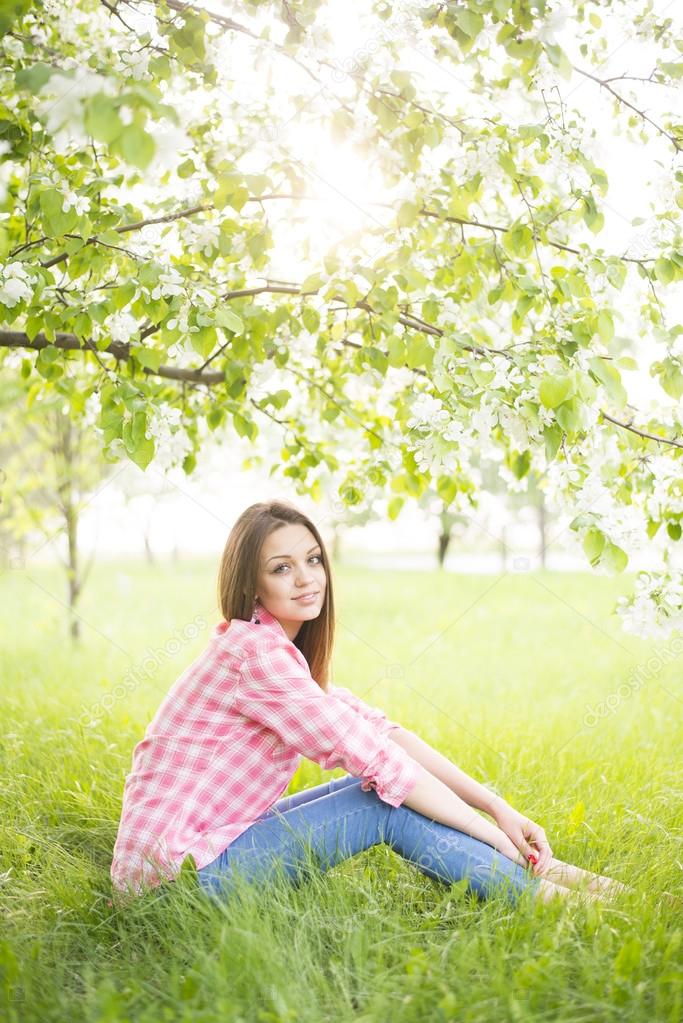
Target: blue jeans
338,819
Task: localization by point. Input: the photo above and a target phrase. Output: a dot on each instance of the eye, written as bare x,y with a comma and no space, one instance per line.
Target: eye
314,557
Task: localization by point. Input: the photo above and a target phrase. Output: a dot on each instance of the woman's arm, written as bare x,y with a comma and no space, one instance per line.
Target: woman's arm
516,826
467,788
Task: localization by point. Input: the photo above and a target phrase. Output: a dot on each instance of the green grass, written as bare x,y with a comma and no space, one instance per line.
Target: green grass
497,672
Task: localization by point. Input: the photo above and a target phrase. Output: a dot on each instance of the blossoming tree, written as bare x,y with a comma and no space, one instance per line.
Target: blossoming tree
164,268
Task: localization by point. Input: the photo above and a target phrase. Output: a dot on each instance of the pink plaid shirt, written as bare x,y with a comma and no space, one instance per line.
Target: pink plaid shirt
225,742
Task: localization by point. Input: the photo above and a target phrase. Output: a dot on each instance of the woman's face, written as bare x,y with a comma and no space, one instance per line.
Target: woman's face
291,568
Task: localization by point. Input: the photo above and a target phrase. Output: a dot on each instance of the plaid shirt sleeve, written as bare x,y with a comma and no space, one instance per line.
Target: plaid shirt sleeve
373,714
276,689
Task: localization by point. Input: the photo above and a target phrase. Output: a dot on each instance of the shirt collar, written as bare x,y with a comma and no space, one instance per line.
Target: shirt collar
265,617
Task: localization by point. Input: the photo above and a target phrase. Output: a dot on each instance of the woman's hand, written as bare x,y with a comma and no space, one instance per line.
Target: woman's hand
527,837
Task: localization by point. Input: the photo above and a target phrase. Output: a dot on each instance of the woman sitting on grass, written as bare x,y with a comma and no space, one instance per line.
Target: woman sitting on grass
231,731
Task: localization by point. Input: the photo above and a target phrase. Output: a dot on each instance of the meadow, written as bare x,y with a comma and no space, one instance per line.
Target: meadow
526,681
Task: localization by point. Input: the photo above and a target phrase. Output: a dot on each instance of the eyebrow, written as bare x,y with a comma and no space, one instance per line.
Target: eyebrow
287,557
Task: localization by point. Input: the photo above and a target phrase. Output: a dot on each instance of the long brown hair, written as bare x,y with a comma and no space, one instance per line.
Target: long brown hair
238,579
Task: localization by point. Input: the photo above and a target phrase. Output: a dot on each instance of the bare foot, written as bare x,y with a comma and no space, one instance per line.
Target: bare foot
549,890
569,876
609,886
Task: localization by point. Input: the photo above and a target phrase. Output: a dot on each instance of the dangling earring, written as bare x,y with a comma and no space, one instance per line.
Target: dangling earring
257,620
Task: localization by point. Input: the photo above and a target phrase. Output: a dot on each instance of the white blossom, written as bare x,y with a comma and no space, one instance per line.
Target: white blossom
481,157
513,484
428,412
506,373
12,359
92,410
547,32
80,203
15,284
515,427
656,608
207,297
262,379
170,283
121,327
200,237
134,63
171,441
484,419
61,100
170,143
14,48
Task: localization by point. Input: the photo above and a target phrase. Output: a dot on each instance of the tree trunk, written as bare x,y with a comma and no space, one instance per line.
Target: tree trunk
444,543
149,553
542,529
66,457
73,573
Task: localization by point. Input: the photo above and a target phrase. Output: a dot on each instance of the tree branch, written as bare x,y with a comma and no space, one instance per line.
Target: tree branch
122,352
604,83
119,349
641,433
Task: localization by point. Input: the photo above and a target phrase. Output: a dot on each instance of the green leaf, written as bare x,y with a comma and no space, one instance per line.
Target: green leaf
313,283
609,377
394,507
614,558
582,520
568,416
674,69
186,169
139,447
56,222
605,325
225,317
591,215
396,349
34,78
230,192
407,214
311,319
204,341
470,22
674,530
134,145
150,358
245,427
519,241
558,58
670,377
101,118
593,545
554,390
665,270
419,352
520,463
215,417
552,435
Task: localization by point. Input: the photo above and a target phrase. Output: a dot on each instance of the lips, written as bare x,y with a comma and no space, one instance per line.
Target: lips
302,596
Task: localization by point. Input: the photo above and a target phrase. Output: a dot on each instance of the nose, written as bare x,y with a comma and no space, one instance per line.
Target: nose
304,576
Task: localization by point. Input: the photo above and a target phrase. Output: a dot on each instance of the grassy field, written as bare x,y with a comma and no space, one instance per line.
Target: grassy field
515,677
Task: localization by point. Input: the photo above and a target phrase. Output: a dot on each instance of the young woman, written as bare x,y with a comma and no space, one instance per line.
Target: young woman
231,731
